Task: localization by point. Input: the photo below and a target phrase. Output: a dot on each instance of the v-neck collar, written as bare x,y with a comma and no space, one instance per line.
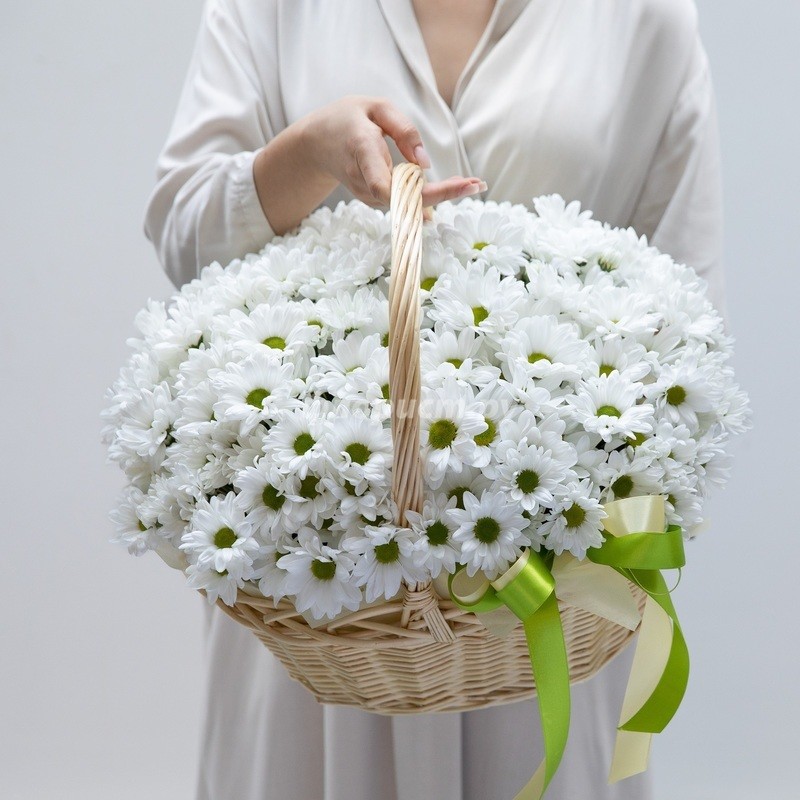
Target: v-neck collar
404,27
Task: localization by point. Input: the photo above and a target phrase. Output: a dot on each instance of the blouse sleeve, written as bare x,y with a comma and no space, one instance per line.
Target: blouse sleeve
204,206
680,206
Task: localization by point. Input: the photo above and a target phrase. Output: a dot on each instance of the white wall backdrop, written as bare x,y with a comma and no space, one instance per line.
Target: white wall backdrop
101,673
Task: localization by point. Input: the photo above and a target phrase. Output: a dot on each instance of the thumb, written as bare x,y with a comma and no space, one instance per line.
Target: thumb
400,128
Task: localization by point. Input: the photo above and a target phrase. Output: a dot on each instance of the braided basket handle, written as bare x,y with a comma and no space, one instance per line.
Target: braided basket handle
404,321
419,600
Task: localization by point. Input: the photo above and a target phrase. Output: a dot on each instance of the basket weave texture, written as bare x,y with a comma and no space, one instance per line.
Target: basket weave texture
420,652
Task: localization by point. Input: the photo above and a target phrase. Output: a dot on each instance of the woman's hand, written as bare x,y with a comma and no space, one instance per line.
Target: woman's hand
342,142
346,139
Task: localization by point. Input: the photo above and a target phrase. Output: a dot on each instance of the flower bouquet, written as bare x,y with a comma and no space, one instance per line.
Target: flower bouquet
363,465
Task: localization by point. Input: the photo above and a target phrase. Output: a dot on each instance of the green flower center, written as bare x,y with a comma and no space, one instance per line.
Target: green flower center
437,532
385,339
676,395
314,322
534,357
224,538
672,500
622,486
480,245
275,342
608,411
428,283
479,314
574,515
458,493
271,498
487,529
323,570
456,362
442,433
308,487
256,397
385,391
387,553
636,439
142,526
303,443
485,438
527,480
606,263
606,369
359,453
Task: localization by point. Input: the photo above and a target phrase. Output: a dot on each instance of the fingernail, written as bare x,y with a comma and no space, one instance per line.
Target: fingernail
422,157
470,189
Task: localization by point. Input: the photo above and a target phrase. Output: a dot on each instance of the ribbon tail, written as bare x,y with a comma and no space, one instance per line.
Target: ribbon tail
548,653
658,678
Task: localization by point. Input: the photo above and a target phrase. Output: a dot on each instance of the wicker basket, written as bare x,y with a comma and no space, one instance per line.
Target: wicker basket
420,653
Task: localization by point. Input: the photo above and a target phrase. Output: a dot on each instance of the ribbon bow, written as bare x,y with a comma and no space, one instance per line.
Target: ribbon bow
637,546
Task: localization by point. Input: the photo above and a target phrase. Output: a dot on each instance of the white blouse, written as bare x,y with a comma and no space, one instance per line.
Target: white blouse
609,102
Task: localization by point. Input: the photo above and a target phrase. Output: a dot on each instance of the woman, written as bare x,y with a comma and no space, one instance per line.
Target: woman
290,104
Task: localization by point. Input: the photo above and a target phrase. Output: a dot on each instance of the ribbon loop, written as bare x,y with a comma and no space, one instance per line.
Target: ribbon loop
641,550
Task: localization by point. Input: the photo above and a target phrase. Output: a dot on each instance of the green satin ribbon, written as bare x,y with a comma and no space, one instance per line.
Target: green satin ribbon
527,589
639,556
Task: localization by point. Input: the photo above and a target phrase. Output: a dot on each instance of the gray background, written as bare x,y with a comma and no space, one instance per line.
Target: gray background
101,674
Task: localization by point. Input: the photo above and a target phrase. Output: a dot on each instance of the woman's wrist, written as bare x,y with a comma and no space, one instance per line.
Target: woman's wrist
289,181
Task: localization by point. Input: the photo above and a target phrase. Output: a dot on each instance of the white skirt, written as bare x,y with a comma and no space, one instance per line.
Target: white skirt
266,738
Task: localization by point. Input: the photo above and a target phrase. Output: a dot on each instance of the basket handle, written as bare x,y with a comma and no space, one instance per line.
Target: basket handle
405,208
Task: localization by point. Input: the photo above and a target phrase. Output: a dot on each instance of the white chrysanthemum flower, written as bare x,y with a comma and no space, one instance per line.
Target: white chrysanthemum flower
143,435
333,373
271,578
609,405
132,531
365,502
217,584
437,260
482,300
220,537
629,473
369,385
576,522
457,484
311,502
293,443
279,328
319,577
447,354
545,347
450,419
385,559
255,390
263,492
435,550
685,389
358,447
622,354
362,309
529,475
535,430
489,532
487,236
733,411
615,311
498,404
